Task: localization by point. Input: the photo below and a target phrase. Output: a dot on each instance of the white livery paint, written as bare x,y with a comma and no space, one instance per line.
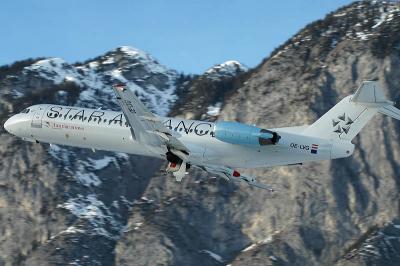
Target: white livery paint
214,147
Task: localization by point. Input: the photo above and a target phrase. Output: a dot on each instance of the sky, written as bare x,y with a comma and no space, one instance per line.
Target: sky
186,35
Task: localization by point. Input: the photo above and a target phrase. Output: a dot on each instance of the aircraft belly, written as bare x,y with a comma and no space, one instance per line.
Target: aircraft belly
217,152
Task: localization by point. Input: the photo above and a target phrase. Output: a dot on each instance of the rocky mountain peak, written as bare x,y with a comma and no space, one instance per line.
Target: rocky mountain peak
127,57
153,82
54,69
360,21
229,68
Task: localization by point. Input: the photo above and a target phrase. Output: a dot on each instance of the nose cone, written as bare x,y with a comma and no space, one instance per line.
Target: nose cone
9,125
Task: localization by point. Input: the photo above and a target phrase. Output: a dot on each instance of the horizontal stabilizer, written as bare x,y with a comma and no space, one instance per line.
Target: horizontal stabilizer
369,92
262,186
230,174
390,110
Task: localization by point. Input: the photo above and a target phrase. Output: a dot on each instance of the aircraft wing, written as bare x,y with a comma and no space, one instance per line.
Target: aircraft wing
144,125
230,174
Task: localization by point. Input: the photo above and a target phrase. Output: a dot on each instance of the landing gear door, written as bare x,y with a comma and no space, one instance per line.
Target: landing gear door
37,118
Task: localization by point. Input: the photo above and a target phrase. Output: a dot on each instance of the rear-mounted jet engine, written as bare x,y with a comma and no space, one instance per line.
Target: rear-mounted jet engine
241,134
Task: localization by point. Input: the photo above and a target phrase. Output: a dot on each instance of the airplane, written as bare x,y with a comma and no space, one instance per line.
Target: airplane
215,147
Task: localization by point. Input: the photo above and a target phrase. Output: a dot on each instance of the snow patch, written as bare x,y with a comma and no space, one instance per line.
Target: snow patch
228,69
89,208
149,62
251,247
101,163
214,110
87,179
266,240
109,60
363,35
340,14
273,258
213,255
94,211
122,155
55,69
62,93
137,226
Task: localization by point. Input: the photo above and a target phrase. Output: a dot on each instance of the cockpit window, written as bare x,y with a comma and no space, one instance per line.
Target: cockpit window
25,111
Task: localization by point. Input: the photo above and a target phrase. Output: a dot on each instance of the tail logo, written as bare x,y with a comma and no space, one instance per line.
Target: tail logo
342,124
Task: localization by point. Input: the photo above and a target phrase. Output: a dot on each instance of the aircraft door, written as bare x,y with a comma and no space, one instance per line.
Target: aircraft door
37,118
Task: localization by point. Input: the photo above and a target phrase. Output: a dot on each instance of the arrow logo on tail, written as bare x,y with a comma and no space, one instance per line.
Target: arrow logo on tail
341,124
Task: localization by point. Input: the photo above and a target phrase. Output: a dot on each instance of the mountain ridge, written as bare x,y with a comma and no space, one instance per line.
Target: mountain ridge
106,208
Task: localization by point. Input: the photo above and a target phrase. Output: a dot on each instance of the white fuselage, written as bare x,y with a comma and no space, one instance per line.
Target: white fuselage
108,130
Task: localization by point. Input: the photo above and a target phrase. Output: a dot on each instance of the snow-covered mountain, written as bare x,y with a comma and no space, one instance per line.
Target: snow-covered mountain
378,246
153,82
229,68
61,205
95,190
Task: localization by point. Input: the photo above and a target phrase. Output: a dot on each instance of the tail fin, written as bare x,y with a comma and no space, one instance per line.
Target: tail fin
346,119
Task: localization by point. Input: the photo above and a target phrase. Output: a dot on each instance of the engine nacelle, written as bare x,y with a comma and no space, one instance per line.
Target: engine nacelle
241,134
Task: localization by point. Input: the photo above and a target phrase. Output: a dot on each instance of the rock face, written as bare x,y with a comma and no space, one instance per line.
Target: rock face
321,210
64,205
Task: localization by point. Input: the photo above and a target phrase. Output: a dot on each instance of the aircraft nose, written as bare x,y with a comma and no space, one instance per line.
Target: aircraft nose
8,125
